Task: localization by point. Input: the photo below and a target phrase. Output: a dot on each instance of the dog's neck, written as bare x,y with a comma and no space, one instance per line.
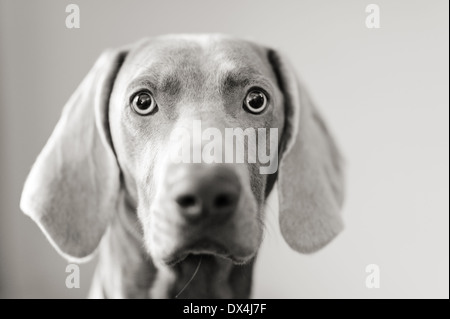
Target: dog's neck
125,270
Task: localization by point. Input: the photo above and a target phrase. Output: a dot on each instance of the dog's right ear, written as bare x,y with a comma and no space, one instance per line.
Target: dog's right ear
72,189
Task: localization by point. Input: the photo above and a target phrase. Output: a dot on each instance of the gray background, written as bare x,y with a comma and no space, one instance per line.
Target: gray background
383,91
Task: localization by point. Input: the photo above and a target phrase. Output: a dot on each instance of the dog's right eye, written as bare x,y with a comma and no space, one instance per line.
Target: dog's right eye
144,103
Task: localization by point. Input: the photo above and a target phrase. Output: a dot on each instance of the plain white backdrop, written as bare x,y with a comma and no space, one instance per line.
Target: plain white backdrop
384,92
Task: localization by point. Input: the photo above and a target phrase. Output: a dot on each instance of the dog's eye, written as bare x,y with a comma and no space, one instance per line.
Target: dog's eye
255,102
143,103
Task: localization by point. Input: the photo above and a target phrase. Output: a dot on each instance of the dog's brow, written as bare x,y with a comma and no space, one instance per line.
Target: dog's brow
240,79
233,79
169,84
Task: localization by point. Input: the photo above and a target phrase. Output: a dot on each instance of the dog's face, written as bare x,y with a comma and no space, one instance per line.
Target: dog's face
116,137
194,208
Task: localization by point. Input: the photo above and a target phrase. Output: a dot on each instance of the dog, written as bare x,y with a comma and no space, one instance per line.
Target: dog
168,229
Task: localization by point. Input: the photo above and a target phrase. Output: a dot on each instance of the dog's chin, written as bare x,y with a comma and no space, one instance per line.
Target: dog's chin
207,250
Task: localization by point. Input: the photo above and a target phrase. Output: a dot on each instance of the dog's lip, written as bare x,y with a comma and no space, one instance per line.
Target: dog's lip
205,248
173,260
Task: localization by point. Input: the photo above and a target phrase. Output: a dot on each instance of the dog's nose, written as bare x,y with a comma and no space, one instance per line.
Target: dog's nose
205,191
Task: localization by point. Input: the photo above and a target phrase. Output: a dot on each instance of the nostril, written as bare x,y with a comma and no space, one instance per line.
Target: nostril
224,200
186,201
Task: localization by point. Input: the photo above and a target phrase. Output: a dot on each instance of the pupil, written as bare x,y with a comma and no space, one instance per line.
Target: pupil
257,100
144,101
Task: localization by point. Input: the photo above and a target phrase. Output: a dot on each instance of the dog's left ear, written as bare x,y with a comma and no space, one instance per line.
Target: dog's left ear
72,189
310,176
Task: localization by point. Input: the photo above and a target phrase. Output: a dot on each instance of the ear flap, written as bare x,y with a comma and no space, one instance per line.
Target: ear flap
310,177
72,189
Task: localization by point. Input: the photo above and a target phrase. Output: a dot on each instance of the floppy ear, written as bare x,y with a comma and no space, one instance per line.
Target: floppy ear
310,177
72,189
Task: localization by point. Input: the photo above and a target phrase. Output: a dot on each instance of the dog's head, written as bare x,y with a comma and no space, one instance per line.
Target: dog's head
193,131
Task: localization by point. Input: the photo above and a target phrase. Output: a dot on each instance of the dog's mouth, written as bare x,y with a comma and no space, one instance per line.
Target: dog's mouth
206,248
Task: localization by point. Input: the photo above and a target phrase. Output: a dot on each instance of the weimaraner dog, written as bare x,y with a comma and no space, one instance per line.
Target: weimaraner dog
168,229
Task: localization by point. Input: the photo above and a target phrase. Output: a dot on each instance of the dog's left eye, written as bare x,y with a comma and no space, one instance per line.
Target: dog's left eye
144,103
255,102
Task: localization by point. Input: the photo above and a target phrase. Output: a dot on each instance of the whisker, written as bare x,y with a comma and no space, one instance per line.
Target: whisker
190,280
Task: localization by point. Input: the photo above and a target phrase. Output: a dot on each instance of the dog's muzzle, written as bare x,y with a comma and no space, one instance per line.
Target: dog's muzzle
197,213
